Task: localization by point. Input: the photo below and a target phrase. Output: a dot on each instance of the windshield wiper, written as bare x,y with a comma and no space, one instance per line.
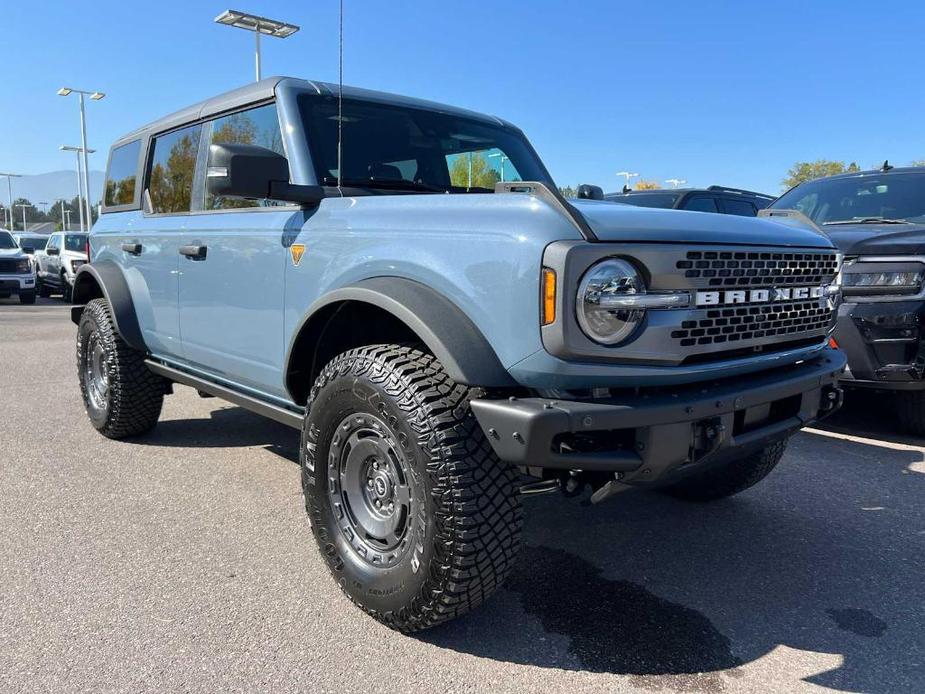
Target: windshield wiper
867,220
384,184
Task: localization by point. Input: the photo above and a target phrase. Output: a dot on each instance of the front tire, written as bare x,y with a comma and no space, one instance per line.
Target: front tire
121,395
417,518
67,291
730,478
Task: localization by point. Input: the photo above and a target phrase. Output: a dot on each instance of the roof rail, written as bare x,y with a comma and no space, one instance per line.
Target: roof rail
724,189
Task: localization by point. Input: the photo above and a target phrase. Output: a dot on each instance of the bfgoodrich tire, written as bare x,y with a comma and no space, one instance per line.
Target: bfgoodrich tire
418,520
122,397
730,478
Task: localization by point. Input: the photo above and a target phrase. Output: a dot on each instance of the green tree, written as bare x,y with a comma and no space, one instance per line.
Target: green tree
917,162
808,170
647,185
568,191
482,175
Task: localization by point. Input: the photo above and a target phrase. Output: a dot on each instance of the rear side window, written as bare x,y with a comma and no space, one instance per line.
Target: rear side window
258,126
743,208
120,177
701,203
173,164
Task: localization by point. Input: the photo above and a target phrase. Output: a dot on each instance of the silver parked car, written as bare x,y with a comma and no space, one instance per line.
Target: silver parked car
57,264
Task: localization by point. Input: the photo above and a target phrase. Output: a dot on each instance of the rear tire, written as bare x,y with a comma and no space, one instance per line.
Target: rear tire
730,478
67,292
910,406
417,518
122,397
27,297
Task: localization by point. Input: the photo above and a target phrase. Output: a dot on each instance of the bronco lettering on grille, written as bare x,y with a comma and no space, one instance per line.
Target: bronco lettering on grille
758,296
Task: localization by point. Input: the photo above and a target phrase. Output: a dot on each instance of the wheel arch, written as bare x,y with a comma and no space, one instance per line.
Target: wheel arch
391,309
105,280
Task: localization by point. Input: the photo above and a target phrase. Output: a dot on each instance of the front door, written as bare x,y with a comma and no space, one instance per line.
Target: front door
232,269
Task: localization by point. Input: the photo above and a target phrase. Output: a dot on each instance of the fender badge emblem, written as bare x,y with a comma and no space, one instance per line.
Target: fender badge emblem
297,250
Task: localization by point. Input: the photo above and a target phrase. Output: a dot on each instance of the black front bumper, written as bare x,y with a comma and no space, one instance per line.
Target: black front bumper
884,344
653,436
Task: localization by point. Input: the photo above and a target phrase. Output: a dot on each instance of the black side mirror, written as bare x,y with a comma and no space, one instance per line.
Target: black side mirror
589,192
52,251
249,171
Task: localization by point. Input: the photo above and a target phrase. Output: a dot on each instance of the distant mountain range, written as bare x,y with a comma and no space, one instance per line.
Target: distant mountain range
51,186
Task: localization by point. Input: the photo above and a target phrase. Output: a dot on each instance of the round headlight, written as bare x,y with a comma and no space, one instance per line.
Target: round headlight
609,278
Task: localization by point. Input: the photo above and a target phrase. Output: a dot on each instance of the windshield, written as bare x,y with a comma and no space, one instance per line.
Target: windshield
6,241
404,148
663,200
36,243
873,197
75,242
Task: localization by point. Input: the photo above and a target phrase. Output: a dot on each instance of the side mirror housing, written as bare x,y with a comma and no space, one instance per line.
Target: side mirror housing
589,192
53,251
257,173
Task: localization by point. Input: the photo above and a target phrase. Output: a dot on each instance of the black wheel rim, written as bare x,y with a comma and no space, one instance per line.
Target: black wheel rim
96,373
369,489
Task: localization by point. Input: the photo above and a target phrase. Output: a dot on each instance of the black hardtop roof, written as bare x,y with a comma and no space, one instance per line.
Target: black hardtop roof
873,172
684,191
265,89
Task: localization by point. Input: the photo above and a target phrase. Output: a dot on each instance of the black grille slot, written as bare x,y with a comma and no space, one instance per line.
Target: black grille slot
759,268
741,323
8,265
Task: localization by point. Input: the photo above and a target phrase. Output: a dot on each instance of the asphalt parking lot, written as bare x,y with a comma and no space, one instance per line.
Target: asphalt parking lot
182,561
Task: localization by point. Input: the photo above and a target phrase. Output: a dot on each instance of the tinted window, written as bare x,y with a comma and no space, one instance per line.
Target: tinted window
259,126
36,243
872,196
396,147
75,242
742,208
120,178
701,203
663,200
172,166
6,240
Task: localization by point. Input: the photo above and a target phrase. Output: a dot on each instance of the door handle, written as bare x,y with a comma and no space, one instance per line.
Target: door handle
132,248
194,252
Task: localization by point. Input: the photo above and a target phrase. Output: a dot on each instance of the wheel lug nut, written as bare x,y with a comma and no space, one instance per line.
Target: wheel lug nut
378,503
369,483
376,465
391,506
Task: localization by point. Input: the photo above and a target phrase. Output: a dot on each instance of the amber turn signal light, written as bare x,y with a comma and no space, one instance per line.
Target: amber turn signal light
549,296
833,344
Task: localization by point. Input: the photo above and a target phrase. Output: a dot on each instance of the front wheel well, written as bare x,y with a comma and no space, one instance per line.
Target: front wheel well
86,288
336,328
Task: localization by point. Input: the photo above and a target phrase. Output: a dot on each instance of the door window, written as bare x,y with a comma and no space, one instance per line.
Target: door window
120,178
53,242
742,208
701,203
258,126
173,164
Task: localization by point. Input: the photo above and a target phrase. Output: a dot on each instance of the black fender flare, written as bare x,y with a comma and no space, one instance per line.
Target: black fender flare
110,279
441,325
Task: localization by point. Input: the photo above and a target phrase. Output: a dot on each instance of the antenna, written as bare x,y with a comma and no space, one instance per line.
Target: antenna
340,101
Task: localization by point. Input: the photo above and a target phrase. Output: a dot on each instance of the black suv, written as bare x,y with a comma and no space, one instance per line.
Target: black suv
744,203
877,219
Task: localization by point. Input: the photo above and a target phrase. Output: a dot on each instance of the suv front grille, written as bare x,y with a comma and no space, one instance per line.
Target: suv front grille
8,265
735,324
757,269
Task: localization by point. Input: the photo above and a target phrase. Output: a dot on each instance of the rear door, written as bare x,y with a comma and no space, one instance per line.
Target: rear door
50,262
232,278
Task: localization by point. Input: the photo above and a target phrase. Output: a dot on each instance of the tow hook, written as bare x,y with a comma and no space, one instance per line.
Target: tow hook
832,399
707,437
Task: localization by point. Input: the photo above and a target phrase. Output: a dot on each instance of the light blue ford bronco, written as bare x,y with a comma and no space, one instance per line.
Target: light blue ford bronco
402,281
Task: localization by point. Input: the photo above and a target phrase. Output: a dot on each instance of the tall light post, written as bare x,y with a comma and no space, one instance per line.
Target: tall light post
95,96
675,181
78,151
627,175
24,208
501,161
67,216
64,224
9,187
259,25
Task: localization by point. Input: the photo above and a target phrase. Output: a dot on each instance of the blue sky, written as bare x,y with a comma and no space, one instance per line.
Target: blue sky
712,92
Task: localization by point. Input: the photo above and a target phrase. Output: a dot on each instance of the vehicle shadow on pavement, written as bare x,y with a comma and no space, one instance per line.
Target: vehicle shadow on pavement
825,556
870,414
226,427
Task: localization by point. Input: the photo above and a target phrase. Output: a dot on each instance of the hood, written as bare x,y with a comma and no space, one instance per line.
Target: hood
12,253
616,222
878,239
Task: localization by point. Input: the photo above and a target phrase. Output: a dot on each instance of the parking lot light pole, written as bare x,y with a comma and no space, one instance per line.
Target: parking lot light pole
259,25
9,187
501,161
24,208
80,209
67,216
95,96
627,175
675,181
